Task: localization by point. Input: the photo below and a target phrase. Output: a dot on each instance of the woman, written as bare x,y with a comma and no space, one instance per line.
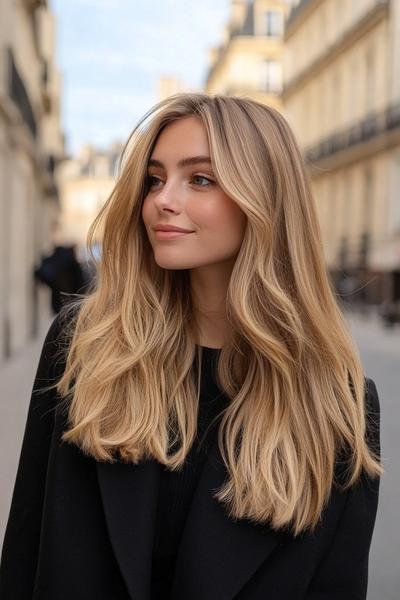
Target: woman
209,433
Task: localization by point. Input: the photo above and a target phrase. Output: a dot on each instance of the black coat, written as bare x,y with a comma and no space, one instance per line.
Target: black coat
80,529
63,273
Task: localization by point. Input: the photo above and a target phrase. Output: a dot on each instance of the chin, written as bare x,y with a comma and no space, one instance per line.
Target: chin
172,265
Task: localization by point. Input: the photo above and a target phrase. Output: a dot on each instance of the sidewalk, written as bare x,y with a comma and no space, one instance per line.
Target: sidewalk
370,332
16,380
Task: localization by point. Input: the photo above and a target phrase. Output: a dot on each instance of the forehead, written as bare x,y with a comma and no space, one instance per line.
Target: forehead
185,137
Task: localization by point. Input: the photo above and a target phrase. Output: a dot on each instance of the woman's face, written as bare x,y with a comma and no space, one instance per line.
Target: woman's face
183,192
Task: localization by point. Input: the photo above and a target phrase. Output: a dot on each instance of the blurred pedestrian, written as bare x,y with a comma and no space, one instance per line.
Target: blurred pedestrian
206,430
62,272
346,289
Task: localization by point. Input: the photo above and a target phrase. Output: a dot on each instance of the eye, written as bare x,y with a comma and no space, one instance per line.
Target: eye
152,181
202,181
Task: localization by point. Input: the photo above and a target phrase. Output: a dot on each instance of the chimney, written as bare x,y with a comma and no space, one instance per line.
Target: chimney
238,14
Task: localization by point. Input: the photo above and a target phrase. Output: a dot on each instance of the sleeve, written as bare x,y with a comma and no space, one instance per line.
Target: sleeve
343,572
21,541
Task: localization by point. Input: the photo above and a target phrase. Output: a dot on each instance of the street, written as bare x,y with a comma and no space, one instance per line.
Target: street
380,351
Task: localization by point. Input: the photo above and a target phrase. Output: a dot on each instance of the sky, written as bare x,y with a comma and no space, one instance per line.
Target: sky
111,54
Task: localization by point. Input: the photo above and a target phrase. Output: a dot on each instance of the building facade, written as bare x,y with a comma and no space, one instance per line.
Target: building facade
31,143
249,60
85,182
341,94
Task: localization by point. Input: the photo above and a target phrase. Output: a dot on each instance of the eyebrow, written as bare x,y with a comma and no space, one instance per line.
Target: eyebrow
184,162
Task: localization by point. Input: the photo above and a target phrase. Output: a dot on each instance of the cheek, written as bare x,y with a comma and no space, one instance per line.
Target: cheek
226,217
146,210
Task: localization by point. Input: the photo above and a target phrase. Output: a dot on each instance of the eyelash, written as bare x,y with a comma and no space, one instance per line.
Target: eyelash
151,178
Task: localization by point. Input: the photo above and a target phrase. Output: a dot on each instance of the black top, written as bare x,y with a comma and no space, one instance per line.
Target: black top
177,487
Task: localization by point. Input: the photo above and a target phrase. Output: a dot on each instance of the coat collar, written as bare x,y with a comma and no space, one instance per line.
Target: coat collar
129,493
217,555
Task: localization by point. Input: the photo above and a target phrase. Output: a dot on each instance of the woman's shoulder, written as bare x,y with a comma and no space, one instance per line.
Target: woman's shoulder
62,323
56,341
371,396
372,431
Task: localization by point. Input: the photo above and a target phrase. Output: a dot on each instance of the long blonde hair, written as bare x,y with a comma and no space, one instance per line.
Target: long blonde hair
290,369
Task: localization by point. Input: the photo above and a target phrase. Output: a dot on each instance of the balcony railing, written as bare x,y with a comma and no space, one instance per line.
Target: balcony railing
372,126
354,251
393,116
19,95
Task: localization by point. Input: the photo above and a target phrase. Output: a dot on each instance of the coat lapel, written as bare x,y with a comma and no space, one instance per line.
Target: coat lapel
129,493
218,555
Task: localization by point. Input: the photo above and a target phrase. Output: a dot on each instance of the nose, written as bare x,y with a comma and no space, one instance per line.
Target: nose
168,198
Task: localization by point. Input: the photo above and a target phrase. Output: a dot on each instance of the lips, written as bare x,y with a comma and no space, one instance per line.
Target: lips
171,234
172,228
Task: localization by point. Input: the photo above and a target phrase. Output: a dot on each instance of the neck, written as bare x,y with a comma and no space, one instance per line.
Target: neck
209,286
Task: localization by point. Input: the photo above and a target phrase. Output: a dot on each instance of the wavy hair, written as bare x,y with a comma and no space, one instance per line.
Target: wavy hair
290,369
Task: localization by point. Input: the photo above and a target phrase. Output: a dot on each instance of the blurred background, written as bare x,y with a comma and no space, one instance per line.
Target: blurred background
76,75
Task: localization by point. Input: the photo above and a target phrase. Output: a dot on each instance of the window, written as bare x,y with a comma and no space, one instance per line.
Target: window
370,83
273,23
272,76
332,220
336,99
368,206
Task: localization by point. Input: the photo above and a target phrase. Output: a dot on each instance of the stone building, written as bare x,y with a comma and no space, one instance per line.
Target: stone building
31,144
342,96
249,60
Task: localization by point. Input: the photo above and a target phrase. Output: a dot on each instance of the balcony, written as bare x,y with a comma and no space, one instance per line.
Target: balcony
19,95
373,126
